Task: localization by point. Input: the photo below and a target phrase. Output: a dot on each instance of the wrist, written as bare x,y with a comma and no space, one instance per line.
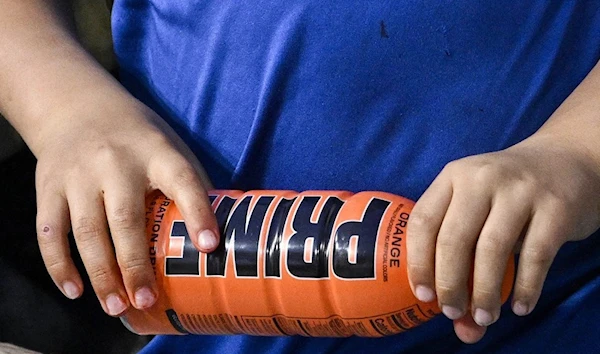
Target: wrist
52,84
564,146
93,110
78,105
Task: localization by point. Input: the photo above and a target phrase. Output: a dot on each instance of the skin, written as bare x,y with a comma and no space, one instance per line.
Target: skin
533,196
92,178
99,151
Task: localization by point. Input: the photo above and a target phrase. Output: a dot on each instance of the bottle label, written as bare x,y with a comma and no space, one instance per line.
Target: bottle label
314,263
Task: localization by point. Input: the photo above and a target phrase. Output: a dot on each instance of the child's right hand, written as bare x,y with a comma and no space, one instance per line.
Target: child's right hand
95,165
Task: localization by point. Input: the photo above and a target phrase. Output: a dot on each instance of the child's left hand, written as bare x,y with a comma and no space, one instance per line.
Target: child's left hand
542,192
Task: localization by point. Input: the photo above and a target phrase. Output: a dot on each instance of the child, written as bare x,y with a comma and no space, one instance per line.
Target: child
446,103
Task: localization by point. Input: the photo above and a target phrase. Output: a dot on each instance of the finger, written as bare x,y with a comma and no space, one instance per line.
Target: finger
52,229
179,180
423,227
455,247
182,149
125,208
95,247
467,330
543,239
508,217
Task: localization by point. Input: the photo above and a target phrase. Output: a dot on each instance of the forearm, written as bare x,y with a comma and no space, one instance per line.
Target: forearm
576,123
44,71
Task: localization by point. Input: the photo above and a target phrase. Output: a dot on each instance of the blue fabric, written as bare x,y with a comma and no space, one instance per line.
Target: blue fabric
368,95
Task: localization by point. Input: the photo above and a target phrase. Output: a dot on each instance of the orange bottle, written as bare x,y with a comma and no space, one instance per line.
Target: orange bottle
316,263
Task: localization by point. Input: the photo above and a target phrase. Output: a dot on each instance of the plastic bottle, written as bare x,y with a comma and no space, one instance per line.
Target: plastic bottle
316,263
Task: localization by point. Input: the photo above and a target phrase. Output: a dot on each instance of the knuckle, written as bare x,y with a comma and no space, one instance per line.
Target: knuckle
522,188
561,212
557,203
197,214
57,266
486,291
134,265
158,137
526,288
446,286
456,231
446,290
452,167
420,220
420,272
553,198
107,154
446,242
185,177
485,173
87,229
125,218
101,276
494,243
540,255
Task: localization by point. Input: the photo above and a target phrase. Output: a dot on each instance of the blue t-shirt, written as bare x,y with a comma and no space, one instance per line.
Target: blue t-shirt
368,95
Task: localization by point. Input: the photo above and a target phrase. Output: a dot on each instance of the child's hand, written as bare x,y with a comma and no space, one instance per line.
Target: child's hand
541,192
95,167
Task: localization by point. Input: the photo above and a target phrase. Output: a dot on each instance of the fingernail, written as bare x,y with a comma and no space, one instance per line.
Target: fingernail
207,240
452,312
71,290
144,298
520,309
424,293
115,305
483,317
